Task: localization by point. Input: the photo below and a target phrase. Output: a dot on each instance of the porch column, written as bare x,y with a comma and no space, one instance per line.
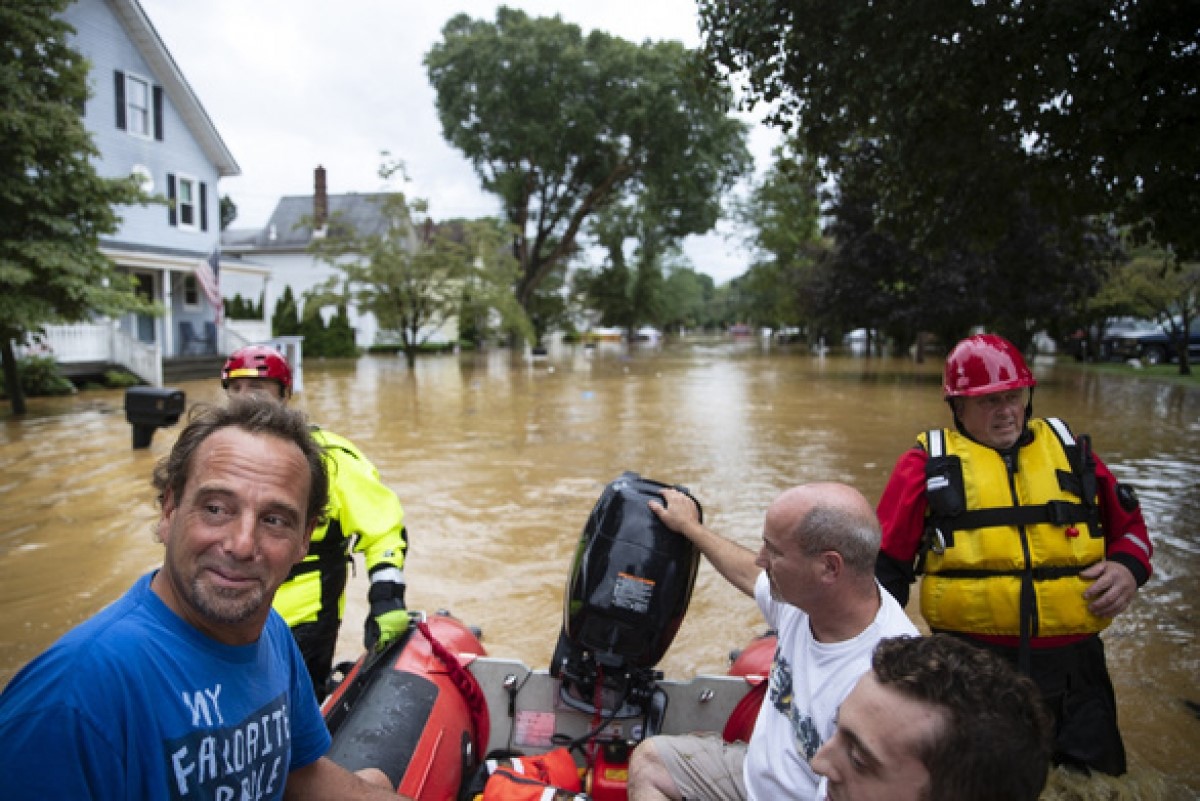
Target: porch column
168,339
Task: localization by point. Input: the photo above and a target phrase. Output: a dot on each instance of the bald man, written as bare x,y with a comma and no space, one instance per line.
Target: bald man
814,580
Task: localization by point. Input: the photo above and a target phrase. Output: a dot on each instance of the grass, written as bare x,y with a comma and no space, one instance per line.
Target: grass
1162,372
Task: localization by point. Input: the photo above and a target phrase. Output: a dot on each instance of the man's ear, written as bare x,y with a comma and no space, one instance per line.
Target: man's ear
832,564
166,512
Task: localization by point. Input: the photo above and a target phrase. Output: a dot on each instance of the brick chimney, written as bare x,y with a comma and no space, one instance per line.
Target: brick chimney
320,200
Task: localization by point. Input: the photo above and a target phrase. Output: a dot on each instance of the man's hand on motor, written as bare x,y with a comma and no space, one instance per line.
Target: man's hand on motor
677,510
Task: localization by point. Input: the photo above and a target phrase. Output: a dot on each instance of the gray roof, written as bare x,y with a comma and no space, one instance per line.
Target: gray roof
287,231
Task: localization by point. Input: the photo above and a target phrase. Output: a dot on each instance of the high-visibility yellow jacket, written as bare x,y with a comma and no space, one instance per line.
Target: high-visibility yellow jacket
363,514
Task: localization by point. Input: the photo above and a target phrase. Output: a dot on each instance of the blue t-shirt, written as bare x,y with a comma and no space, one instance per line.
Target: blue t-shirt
137,704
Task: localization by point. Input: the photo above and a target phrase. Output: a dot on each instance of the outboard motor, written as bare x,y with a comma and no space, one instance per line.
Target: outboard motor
628,590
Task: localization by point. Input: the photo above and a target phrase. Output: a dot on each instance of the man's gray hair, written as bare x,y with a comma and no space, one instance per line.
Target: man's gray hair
832,527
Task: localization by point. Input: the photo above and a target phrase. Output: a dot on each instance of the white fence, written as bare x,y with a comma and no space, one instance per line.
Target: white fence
105,342
100,342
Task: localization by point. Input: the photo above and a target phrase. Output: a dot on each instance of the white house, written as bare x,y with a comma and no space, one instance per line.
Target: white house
283,247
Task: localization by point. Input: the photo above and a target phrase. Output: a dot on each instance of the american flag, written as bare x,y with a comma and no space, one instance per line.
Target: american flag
208,273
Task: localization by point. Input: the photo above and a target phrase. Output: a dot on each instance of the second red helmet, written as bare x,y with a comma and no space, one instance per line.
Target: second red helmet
257,361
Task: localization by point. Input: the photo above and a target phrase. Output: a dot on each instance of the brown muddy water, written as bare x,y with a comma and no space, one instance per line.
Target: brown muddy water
498,462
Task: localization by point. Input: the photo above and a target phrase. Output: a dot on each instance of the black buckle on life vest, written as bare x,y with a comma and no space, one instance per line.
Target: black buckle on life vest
1063,513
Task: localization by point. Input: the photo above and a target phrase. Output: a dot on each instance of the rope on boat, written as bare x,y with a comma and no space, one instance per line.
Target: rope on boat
467,684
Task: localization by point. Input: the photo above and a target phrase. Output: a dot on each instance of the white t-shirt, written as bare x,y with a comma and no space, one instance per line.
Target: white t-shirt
808,682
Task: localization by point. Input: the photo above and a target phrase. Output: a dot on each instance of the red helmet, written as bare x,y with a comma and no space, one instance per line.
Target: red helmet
257,361
983,364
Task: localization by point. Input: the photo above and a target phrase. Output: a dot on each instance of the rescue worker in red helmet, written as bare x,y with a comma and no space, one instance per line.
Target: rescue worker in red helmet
363,516
1027,544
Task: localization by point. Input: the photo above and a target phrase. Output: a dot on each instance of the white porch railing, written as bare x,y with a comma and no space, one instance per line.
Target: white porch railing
100,342
83,342
106,342
142,359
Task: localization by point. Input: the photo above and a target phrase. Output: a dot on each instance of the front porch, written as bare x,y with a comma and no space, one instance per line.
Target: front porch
88,349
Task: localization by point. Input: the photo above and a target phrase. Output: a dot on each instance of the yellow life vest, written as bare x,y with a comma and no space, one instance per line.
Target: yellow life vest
1004,547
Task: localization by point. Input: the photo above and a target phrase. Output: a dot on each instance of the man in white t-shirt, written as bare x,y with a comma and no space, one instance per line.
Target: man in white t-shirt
814,579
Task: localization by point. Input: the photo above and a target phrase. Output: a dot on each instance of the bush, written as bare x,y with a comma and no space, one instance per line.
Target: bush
40,376
118,379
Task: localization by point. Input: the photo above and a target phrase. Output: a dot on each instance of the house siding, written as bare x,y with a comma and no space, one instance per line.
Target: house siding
102,38
301,272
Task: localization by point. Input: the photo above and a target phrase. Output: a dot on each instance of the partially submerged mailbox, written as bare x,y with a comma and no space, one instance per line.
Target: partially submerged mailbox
148,408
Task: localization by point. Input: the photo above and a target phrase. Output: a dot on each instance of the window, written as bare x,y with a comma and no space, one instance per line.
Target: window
191,292
186,203
139,105
188,200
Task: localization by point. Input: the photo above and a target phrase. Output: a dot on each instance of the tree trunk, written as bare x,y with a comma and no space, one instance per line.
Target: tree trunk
12,377
410,356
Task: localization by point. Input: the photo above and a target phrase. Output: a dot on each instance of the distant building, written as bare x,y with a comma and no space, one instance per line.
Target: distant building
282,246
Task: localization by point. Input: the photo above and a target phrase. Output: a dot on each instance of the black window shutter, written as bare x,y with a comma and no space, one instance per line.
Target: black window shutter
119,92
203,206
171,199
158,113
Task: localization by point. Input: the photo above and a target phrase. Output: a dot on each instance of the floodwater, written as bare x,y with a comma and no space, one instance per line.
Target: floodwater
498,462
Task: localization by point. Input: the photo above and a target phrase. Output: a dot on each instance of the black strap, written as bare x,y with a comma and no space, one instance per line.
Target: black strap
1037,573
1059,513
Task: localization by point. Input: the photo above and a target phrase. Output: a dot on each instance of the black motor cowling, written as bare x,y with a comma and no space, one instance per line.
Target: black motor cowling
629,588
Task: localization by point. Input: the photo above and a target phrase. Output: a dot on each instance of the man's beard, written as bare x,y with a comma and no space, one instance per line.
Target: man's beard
224,606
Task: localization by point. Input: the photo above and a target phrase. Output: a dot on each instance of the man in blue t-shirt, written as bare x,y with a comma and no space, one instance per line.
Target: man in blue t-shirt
189,686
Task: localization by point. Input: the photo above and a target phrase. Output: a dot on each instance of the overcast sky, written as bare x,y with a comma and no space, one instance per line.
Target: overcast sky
292,84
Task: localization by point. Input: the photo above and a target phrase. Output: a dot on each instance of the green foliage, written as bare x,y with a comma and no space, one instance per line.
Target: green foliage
1085,108
239,308
285,322
558,124
687,299
332,340
119,379
1154,284
872,278
339,336
784,211
54,206
228,211
39,375
412,274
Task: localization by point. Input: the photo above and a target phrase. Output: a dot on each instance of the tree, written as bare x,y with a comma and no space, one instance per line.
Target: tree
1157,285
783,211
54,207
1089,108
411,273
285,321
688,298
1031,276
558,124
628,290
228,211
